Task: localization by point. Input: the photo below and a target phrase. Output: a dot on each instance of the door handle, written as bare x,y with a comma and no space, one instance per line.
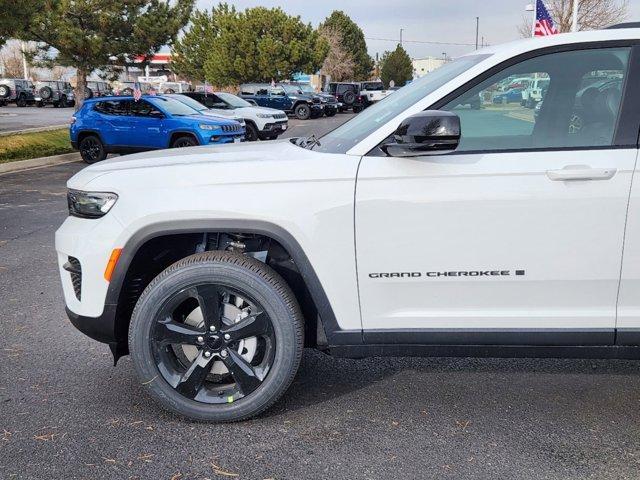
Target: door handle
581,172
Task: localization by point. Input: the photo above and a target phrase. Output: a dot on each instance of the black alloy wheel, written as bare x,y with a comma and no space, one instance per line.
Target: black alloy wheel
217,336
185,141
251,133
91,149
21,101
219,354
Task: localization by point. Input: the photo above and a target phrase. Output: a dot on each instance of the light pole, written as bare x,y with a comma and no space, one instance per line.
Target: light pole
401,36
477,30
531,8
574,23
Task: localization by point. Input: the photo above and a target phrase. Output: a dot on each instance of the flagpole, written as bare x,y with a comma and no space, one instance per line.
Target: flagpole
574,25
535,17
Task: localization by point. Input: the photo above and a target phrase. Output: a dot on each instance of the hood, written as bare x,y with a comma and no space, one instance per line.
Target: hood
231,164
205,118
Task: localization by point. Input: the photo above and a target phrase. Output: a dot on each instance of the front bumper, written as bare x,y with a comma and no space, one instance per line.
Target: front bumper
276,127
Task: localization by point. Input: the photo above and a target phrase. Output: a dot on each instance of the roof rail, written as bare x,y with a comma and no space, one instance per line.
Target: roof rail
624,25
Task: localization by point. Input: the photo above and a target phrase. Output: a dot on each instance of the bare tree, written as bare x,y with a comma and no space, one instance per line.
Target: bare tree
592,15
339,63
11,59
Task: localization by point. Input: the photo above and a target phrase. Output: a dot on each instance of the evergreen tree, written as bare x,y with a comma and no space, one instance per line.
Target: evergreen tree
396,66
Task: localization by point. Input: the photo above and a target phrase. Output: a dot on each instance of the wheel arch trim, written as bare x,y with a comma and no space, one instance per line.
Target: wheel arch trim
333,332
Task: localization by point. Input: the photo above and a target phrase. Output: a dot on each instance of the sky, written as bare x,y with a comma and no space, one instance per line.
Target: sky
448,21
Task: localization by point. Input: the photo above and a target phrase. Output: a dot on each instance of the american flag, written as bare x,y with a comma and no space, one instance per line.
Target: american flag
544,23
137,93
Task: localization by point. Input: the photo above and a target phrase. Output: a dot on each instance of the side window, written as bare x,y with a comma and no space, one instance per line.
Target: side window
262,91
143,108
113,107
559,100
277,92
247,90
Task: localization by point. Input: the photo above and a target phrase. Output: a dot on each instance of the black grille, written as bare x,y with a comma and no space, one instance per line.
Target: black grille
280,116
231,128
75,270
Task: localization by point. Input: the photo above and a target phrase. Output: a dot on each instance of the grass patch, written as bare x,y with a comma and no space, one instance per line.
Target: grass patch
23,146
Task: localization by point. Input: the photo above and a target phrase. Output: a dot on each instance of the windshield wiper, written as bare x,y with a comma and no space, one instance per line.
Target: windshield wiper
309,142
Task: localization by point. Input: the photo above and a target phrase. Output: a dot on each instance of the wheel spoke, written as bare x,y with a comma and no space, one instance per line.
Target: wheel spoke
251,326
209,300
171,332
193,379
243,373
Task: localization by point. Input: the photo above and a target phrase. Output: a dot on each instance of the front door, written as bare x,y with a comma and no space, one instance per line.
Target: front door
149,126
517,237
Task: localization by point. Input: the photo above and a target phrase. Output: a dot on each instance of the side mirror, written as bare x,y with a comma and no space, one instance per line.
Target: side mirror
426,133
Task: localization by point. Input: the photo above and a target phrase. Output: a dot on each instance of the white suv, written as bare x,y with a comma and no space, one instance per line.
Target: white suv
420,227
261,122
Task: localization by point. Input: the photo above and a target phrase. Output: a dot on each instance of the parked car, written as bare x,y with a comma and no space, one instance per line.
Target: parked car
372,92
54,92
173,87
513,95
412,229
347,93
122,125
283,97
330,102
126,88
261,122
534,92
97,88
202,110
16,90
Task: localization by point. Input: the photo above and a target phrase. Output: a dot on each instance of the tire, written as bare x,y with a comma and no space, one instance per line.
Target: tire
91,149
5,91
357,109
331,113
184,141
158,360
21,101
349,97
39,104
88,93
127,92
46,93
302,111
63,102
169,90
251,133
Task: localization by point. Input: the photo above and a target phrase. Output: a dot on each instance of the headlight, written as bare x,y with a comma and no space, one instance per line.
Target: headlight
206,126
264,115
90,204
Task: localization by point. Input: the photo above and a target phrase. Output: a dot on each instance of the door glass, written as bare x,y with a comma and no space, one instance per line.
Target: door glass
559,100
113,107
277,92
144,109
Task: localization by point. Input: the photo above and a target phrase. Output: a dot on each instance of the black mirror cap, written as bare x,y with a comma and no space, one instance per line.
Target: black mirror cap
425,133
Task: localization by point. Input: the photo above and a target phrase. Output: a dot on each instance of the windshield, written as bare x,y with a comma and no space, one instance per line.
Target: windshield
290,89
173,107
232,100
360,127
189,102
306,88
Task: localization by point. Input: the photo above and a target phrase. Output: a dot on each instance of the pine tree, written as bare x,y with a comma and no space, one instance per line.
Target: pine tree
396,66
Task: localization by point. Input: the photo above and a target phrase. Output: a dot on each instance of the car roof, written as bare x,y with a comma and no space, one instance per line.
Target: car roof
517,47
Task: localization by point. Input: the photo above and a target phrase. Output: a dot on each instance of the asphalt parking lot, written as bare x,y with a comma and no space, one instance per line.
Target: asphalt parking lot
13,118
65,412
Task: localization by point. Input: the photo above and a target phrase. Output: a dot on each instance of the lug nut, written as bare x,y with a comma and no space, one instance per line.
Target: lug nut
212,328
223,354
200,339
227,336
207,354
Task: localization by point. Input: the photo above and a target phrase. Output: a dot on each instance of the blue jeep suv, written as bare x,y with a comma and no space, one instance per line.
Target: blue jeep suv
123,125
283,96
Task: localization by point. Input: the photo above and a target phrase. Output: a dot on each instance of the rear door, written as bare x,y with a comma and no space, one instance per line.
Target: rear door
113,121
517,237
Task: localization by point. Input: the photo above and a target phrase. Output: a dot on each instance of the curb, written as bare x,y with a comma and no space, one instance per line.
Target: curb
41,162
34,130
